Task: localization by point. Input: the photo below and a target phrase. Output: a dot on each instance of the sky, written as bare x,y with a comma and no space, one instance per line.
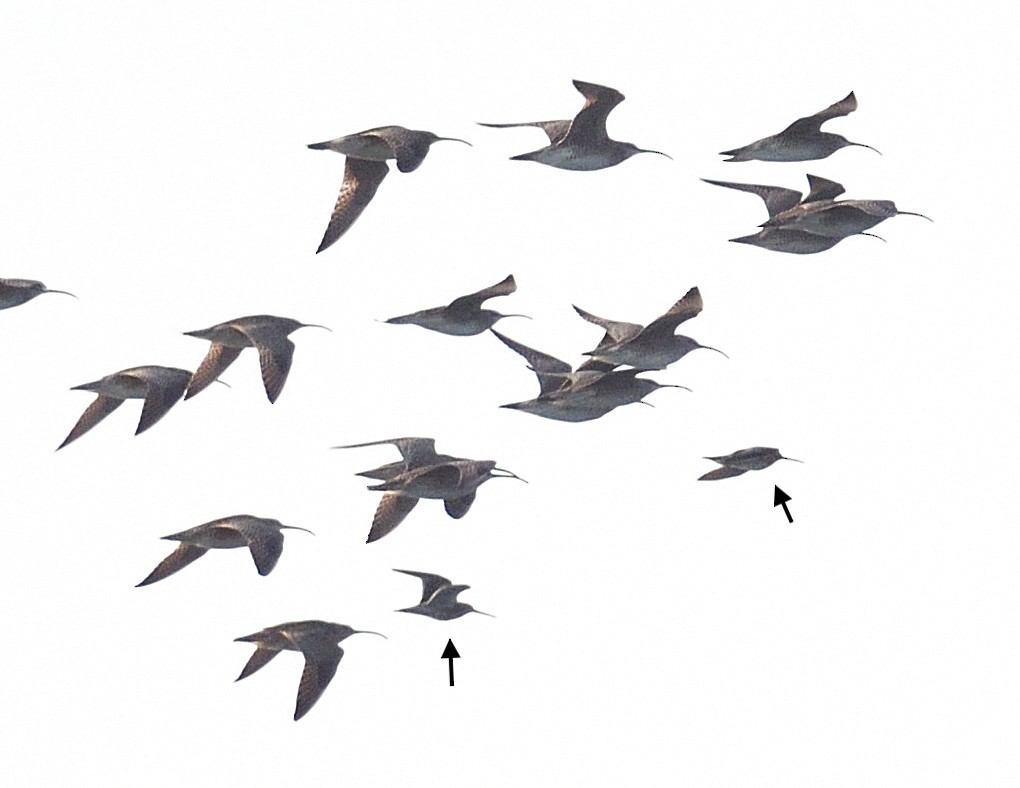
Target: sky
649,629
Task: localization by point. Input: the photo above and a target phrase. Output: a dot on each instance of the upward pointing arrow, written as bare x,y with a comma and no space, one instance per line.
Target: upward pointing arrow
450,653
780,499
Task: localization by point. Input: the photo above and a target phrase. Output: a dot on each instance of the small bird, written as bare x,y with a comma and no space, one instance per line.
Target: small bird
802,140
259,534
160,387
581,143
439,598
316,640
463,316
266,333
654,346
452,481
14,292
742,461
367,152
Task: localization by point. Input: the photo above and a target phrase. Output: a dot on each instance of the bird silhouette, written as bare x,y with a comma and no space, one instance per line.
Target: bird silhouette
463,316
367,153
581,143
260,535
802,140
318,643
266,333
439,598
160,387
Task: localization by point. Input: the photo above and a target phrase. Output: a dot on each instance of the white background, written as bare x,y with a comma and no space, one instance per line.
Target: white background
650,629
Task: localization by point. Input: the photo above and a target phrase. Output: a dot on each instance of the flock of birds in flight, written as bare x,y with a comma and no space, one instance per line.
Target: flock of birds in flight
796,224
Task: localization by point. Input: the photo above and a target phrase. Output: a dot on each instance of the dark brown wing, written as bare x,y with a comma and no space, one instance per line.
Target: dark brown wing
321,660
94,413
390,513
213,365
430,584
258,660
276,352
458,507
470,303
813,123
823,189
361,179
163,391
687,307
724,472
175,562
589,125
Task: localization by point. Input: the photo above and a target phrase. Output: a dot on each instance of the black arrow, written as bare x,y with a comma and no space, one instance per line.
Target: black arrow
780,499
450,653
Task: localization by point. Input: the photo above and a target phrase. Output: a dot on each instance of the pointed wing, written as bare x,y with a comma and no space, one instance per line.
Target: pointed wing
446,598
540,363
213,365
431,584
616,331
474,301
276,352
776,198
687,307
94,413
162,393
823,189
258,660
555,130
458,507
390,513
590,123
265,544
184,554
361,180
724,472
321,660
813,123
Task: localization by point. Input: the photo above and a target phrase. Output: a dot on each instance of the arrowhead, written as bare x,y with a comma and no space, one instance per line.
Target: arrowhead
450,652
780,497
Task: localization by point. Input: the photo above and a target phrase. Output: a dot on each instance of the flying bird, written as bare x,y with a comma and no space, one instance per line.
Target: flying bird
591,391
422,473
260,535
318,643
463,316
802,140
654,346
160,387
266,333
742,461
812,224
581,143
367,153
14,292
439,598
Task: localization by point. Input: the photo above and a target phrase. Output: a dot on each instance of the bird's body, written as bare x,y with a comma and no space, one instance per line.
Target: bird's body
463,316
14,292
318,643
438,598
838,219
744,460
266,333
160,387
260,535
452,480
654,346
802,140
367,153
581,143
